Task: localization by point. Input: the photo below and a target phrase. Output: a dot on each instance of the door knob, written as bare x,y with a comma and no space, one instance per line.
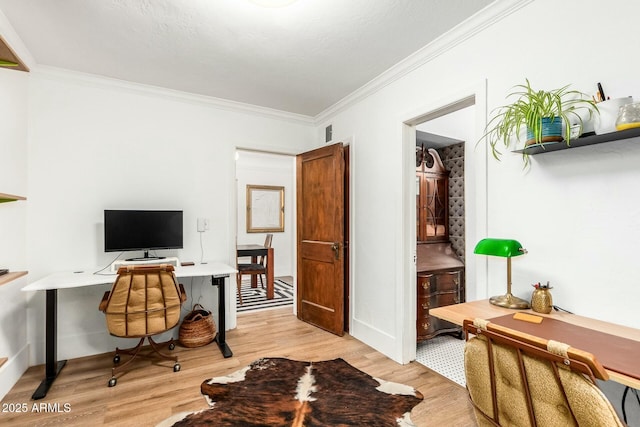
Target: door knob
336,249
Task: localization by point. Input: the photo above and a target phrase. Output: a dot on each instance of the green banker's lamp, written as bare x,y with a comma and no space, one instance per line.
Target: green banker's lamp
504,248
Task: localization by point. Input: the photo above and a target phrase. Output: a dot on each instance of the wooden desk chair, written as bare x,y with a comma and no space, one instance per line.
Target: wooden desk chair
143,301
253,269
516,379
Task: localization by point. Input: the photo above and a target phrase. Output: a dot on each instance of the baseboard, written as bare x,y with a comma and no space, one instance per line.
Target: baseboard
13,369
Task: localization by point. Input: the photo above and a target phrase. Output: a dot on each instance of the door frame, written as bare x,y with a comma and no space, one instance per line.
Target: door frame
476,208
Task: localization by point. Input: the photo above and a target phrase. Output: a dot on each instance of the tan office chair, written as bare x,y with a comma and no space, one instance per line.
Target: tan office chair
258,268
143,301
515,379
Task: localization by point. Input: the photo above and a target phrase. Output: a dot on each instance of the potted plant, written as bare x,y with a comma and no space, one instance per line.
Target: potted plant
542,113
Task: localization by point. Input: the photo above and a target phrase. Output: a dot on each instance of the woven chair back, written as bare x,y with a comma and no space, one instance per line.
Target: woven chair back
516,380
144,301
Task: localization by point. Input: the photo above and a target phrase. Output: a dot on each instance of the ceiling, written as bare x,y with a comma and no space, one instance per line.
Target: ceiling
302,58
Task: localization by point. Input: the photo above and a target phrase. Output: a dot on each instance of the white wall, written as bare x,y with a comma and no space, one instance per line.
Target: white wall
257,168
96,144
575,211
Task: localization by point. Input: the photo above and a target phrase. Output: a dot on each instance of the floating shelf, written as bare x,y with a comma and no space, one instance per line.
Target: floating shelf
6,278
548,147
3,360
10,198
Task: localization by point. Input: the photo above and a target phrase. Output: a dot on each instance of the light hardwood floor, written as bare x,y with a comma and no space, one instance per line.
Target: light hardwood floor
151,392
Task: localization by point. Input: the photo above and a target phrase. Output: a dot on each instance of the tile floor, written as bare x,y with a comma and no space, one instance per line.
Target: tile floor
445,355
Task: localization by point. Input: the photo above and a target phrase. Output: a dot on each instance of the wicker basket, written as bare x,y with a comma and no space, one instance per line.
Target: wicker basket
197,328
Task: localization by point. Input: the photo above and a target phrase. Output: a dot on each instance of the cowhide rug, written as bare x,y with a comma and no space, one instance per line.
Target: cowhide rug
283,392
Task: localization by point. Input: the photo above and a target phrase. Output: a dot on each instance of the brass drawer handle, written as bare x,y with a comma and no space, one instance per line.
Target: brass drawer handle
425,286
425,305
456,277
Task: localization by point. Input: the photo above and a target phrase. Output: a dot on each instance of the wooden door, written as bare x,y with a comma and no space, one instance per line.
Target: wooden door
320,222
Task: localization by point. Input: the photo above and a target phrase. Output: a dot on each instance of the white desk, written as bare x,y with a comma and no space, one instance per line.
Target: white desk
65,280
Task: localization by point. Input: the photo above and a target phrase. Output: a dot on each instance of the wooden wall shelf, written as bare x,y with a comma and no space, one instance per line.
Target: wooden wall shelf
6,278
548,147
4,197
9,59
3,360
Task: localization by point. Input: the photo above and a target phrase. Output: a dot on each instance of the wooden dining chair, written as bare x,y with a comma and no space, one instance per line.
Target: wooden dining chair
254,269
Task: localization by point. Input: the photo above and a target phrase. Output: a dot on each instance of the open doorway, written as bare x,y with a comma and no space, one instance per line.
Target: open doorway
471,103
440,264
256,170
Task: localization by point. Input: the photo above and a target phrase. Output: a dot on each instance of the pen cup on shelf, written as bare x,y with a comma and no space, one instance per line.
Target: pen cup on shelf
541,300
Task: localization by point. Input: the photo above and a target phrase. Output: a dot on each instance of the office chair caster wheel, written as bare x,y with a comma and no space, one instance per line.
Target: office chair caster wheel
172,346
112,382
176,367
116,359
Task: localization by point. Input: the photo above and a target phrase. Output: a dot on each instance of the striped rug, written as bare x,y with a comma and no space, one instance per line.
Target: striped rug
256,298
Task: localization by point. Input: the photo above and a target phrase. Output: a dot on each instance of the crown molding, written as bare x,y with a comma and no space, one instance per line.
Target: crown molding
54,73
485,18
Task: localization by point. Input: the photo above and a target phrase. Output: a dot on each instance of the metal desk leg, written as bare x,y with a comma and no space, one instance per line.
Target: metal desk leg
52,367
220,339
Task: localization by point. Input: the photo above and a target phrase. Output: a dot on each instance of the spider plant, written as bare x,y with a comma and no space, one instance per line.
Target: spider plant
528,111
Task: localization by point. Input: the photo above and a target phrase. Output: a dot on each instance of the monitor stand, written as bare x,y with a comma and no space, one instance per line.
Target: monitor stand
146,257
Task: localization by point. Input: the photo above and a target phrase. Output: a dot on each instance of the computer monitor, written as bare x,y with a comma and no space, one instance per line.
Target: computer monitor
145,230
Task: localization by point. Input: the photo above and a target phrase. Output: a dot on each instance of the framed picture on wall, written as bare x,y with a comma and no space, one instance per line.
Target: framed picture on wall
265,208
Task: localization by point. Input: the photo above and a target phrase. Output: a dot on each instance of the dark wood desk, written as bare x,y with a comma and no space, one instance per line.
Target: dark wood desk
482,309
254,251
